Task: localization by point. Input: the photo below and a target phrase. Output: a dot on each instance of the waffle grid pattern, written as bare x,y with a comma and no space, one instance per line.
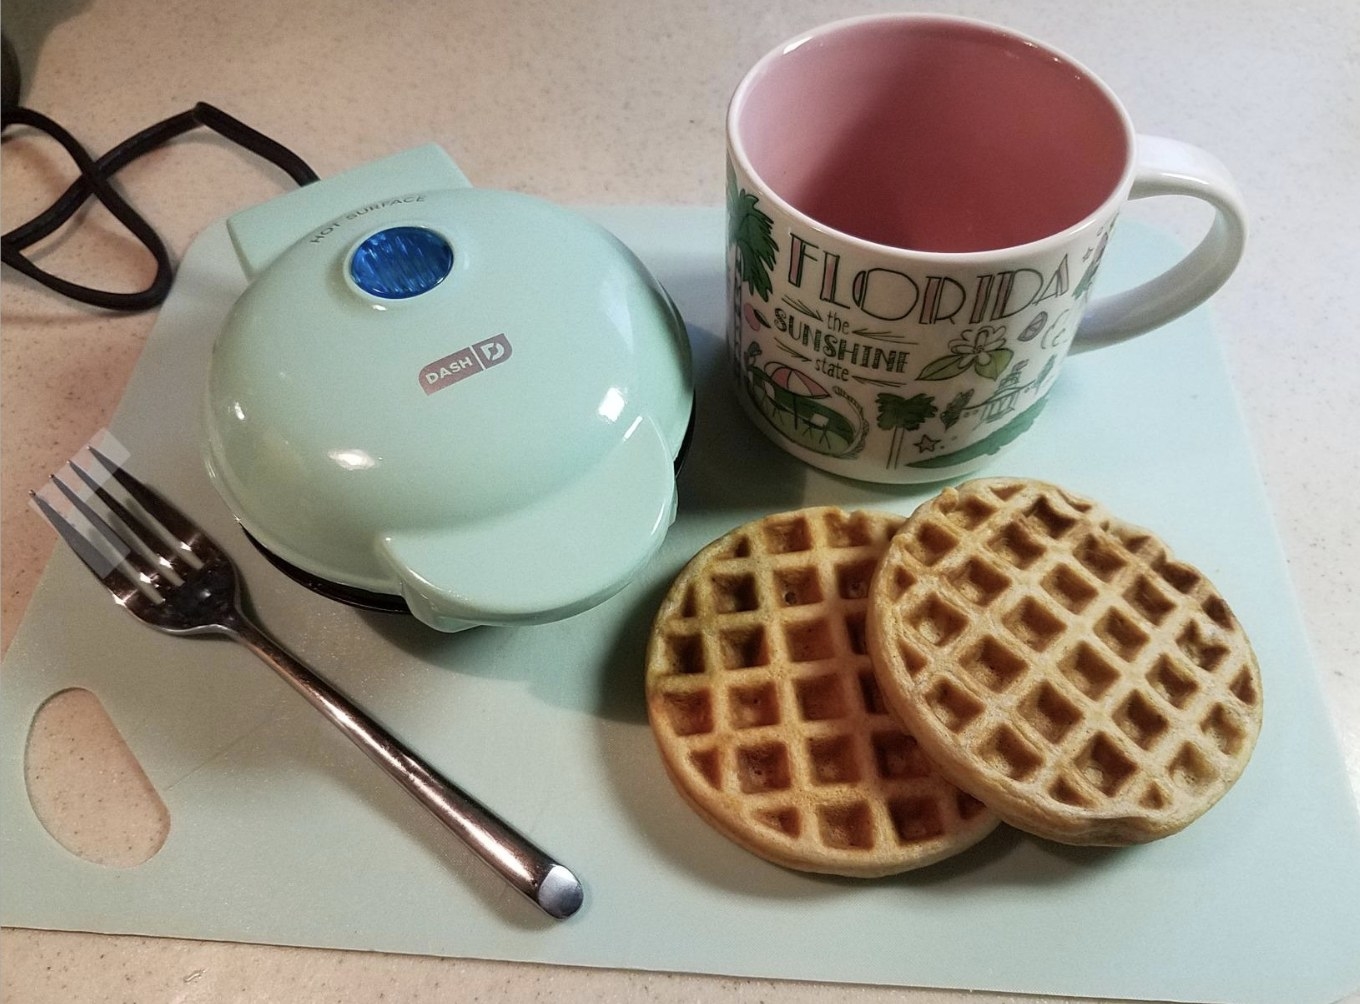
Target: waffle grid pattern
767,712
1062,665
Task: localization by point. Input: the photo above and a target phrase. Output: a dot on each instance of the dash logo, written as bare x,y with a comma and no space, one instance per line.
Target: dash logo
443,372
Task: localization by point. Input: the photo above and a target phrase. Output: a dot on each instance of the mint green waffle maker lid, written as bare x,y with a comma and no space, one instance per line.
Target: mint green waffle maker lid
471,400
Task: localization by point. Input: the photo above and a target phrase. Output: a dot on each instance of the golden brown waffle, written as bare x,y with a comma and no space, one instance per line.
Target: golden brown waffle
1061,665
765,708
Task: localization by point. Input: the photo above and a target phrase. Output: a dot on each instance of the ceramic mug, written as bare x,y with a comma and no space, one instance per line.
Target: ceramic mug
917,206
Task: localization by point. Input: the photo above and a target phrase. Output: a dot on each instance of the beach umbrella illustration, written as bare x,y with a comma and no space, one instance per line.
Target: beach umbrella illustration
798,407
795,381
794,392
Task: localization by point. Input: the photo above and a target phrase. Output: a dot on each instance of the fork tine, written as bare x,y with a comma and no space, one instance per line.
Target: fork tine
191,538
115,539
153,541
104,568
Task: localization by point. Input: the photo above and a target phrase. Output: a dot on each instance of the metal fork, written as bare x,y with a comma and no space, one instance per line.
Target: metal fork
182,583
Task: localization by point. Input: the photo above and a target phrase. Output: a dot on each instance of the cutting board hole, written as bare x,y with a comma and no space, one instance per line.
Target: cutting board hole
87,789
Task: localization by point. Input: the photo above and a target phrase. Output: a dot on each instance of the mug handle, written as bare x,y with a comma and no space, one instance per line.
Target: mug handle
1169,167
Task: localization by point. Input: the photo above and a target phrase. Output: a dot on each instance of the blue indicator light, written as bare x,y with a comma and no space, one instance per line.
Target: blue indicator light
401,262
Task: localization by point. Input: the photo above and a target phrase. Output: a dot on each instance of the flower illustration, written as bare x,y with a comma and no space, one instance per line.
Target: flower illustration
982,350
981,345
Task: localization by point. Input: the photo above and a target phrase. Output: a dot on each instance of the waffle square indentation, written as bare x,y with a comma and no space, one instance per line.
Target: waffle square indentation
1139,719
937,622
786,820
993,664
898,757
809,641
1034,624
915,819
820,698
1048,519
902,582
870,696
688,606
952,705
684,654
740,547
1105,766
689,713
1154,798
1008,752
846,826
912,658
708,764
1191,769
1064,791
1202,651
1224,730
968,512
795,587
1014,545
1135,539
1099,557
1179,577
1089,671
753,706
1172,682
1006,490
1148,601
1069,587
785,536
979,581
735,593
1244,687
763,768
856,632
1123,637
853,578
744,647
1216,609
930,543
1049,712
853,529
833,760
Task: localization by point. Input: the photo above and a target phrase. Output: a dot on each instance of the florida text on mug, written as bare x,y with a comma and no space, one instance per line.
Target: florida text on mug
917,208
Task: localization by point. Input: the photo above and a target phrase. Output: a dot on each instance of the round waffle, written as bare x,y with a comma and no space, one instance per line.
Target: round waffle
1061,665
764,704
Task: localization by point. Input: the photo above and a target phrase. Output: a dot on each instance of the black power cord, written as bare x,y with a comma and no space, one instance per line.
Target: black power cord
96,180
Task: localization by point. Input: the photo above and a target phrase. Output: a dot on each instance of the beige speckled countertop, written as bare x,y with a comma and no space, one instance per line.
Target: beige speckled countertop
618,102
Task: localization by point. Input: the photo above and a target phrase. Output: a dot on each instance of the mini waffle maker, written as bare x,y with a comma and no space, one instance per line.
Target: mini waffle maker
465,403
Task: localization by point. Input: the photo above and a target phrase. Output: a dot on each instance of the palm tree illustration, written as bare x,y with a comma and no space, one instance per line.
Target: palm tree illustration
902,414
749,233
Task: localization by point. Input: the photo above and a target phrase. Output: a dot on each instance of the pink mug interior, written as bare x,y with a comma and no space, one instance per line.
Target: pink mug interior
931,134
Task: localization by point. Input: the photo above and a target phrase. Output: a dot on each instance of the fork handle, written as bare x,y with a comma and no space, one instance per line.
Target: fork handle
549,884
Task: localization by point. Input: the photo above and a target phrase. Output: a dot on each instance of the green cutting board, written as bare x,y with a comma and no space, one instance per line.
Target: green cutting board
282,833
